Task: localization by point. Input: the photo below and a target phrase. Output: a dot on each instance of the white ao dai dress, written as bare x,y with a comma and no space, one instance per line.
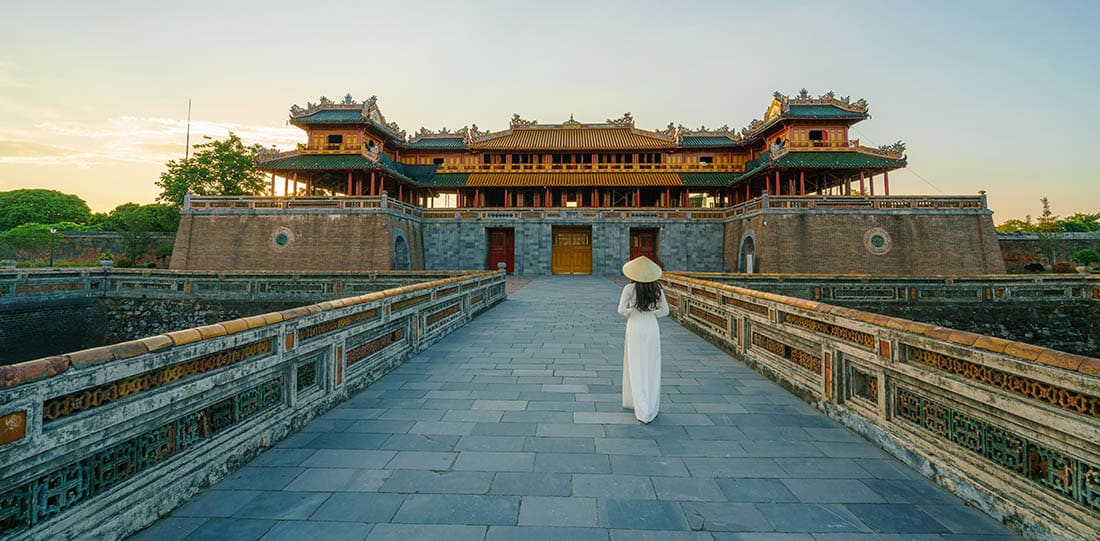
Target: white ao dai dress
642,356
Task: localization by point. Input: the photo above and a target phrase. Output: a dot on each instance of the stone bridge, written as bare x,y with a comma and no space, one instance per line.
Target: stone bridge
357,419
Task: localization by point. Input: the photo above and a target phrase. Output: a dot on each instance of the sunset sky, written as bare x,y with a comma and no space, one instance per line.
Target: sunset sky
995,96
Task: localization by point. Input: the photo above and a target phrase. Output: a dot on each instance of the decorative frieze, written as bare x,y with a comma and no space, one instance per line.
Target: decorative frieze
1068,400
1055,471
56,492
313,331
358,353
413,301
62,406
441,314
797,356
853,336
745,305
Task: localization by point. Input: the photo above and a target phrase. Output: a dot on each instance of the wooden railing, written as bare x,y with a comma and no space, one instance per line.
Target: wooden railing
1011,427
97,444
589,167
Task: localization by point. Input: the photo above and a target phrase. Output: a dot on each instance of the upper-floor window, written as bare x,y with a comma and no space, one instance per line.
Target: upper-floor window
647,157
437,161
335,140
707,160
819,135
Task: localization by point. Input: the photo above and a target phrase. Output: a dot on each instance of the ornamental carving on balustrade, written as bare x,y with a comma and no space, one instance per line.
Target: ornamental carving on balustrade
853,336
719,322
746,305
436,317
313,331
54,493
863,385
1068,400
797,356
704,293
358,353
412,301
62,406
1055,471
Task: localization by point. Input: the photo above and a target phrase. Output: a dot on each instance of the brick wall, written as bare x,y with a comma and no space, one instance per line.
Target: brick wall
314,241
835,242
1022,249
39,329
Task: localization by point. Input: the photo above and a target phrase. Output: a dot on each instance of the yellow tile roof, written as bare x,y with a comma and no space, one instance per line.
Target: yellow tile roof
571,139
573,179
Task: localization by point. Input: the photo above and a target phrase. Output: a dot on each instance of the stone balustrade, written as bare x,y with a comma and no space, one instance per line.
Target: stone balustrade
1011,427
36,285
101,442
918,289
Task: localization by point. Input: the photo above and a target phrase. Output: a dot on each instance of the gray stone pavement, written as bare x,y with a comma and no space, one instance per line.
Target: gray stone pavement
512,428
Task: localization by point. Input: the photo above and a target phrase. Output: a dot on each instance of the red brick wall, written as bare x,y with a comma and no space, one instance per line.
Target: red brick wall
833,243
317,242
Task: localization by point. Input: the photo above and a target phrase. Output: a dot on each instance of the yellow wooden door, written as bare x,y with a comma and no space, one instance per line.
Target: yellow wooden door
572,251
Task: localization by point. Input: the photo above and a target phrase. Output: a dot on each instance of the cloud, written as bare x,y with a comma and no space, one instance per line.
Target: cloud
15,149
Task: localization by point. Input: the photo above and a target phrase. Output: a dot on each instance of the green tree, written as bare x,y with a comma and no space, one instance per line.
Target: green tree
1017,226
19,207
1047,222
217,167
138,226
1086,256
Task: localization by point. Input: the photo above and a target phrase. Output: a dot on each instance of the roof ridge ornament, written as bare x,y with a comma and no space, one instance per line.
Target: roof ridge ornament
625,121
518,122
571,123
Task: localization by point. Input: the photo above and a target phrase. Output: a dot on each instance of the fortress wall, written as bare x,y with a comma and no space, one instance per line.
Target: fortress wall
839,242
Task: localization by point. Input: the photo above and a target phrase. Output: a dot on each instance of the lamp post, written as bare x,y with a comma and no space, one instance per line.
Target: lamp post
52,231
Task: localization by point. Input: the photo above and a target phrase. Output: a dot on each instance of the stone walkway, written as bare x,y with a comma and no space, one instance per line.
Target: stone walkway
512,428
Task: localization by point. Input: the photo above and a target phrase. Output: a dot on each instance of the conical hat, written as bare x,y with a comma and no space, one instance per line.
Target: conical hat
642,269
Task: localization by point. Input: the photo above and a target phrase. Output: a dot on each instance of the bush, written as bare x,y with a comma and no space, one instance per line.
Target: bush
1064,267
1086,256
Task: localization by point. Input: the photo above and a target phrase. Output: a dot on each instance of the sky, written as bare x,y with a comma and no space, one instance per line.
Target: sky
995,96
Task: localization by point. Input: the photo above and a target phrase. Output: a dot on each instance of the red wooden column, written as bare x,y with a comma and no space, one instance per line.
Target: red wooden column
637,197
595,197
871,181
778,187
748,192
862,185
400,192
286,185
348,192
506,202
668,197
886,182
547,200
686,201
373,188
802,183
273,184
477,197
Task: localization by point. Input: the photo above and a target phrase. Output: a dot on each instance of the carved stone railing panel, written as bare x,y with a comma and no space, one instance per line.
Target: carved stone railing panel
1010,427
101,442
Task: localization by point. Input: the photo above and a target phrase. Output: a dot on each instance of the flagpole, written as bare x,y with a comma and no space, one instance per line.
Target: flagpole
187,151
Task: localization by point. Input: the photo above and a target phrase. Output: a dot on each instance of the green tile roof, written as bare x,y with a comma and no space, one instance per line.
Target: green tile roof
346,116
707,179
820,111
318,162
438,143
709,141
822,160
446,179
419,173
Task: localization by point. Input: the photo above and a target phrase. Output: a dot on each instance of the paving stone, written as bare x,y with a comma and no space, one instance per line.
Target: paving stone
571,463
421,460
896,518
230,529
560,445
725,517
349,458
441,427
824,518
960,519
282,457
381,426
216,503
551,511
420,442
493,461
474,416
349,440
532,484
537,533
282,505
832,491
500,405
603,418
771,536
491,443
297,530
627,446
658,535
822,468
569,430
430,482
702,448
339,480
687,489
642,515
359,507
453,509
756,490
648,465
626,487
504,429
405,532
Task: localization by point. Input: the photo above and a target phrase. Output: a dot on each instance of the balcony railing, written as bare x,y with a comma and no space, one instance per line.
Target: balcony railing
589,167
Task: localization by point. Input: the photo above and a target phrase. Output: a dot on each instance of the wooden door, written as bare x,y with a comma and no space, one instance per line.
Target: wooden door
572,252
643,242
502,248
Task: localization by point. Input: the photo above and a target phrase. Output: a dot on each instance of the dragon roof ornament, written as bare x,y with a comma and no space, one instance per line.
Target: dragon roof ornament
368,107
828,98
518,122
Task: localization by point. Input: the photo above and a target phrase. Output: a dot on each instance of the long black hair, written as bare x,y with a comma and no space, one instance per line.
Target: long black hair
646,296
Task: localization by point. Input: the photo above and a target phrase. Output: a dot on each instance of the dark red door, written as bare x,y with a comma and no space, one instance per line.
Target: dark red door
502,247
643,242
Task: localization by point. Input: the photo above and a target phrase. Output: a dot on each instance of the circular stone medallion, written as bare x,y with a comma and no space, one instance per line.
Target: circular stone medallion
282,238
877,241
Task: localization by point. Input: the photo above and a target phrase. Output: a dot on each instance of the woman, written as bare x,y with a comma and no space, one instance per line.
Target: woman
642,303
